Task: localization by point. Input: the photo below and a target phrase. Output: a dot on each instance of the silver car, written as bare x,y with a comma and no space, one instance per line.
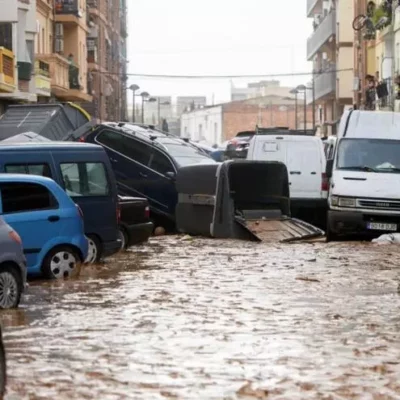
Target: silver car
12,267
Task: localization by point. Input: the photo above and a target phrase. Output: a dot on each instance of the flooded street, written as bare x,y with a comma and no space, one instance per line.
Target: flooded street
209,319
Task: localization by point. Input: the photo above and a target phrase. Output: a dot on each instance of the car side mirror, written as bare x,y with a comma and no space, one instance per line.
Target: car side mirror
170,175
329,168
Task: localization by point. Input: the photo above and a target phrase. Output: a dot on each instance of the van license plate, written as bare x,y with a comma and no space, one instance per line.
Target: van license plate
382,227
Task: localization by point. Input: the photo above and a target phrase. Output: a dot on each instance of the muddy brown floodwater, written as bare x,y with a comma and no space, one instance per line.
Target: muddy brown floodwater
184,318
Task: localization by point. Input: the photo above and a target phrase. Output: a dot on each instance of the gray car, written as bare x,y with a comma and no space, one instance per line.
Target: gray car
12,267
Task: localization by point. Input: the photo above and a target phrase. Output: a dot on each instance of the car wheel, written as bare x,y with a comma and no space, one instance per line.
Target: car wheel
61,262
10,287
94,251
3,368
123,236
330,236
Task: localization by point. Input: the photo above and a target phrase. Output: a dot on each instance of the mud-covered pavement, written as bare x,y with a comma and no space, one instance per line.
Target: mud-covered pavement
208,319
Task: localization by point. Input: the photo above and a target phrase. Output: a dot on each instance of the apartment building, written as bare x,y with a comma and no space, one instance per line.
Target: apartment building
60,48
107,58
331,50
17,39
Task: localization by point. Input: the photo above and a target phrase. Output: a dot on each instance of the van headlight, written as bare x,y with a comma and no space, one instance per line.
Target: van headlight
348,202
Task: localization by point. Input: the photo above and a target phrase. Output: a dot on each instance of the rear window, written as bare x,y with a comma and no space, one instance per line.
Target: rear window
187,155
30,169
85,179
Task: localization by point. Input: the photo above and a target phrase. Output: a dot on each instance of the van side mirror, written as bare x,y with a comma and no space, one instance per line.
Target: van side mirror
170,175
329,168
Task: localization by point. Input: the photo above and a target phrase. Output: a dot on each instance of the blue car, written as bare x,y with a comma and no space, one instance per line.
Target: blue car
49,223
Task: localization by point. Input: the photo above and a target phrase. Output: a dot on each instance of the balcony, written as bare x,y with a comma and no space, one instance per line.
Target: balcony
325,83
42,78
8,83
66,7
325,30
311,7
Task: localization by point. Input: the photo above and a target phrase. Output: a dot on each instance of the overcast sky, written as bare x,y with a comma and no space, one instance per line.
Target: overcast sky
215,37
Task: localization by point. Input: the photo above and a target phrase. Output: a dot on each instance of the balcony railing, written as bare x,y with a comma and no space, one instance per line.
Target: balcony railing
66,7
7,66
321,35
73,76
58,70
42,68
325,83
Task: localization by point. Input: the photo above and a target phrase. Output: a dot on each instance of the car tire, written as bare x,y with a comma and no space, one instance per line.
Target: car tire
95,250
330,236
61,262
3,368
123,236
10,287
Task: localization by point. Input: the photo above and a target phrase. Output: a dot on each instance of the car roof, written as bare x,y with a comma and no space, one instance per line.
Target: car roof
76,146
25,178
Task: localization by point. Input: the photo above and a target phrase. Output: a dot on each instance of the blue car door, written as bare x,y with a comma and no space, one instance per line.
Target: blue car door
160,187
32,211
129,159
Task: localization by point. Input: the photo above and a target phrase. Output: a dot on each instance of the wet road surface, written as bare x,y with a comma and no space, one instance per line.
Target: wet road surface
185,318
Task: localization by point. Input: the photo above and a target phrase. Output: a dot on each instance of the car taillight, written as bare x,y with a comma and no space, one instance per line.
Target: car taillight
118,213
234,142
14,236
81,139
147,212
324,183
80,212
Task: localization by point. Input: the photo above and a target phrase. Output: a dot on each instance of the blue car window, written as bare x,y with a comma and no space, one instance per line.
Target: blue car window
85,179
25,196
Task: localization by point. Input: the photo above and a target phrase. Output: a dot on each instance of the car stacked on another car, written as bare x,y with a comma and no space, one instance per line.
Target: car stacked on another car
239,145
145,162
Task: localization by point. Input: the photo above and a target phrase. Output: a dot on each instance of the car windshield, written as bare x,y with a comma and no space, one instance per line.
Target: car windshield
371,155
186,155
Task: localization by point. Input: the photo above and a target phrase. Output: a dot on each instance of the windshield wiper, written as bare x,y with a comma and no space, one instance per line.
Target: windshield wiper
359,168
388,169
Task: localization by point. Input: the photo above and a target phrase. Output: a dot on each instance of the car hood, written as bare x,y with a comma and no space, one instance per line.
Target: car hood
366,184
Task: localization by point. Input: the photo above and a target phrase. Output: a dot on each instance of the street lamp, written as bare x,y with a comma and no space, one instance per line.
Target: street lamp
134,88
146,98
165,103
303,88
295,92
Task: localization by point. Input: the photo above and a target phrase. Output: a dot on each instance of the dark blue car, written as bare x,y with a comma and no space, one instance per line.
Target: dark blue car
84,172
145,162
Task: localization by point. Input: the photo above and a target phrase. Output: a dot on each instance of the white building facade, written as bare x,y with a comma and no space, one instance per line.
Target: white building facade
203,125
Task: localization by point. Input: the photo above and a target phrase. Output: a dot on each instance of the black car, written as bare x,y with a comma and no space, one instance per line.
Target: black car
145,162
239,145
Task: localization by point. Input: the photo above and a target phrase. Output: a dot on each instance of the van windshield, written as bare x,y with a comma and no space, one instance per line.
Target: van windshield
371,155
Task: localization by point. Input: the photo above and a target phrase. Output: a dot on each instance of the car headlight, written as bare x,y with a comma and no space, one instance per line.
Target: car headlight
348,202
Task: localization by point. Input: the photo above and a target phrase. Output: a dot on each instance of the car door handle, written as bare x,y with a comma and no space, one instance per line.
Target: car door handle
53,218
113,160
313,173
142,175
295,173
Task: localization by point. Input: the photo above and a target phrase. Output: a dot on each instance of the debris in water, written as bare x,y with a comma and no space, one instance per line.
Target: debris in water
159,231
306,279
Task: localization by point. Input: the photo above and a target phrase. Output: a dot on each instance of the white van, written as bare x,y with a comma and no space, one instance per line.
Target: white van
365,175
305,160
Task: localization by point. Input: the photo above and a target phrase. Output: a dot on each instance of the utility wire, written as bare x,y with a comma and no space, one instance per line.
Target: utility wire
165,76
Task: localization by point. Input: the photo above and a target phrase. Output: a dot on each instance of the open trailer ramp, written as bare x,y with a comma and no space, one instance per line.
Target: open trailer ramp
239,199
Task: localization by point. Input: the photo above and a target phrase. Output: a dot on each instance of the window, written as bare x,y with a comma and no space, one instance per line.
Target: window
21,197
161,163
129,147
6,35
30,169
85,179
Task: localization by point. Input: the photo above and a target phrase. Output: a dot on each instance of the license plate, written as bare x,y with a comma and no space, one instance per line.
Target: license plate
382,227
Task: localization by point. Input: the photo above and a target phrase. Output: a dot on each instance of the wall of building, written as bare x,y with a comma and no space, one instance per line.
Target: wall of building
203,125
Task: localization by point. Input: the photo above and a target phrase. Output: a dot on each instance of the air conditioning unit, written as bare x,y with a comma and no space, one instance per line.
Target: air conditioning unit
59,28
59,45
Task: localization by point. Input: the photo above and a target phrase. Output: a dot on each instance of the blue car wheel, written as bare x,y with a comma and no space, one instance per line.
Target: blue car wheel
61,262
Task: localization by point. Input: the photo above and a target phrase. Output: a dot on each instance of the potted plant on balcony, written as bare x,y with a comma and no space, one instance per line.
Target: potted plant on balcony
382,16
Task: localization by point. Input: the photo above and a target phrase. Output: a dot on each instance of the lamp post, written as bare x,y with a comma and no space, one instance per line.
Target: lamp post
303,88
165,103
295,92
146,98
134,88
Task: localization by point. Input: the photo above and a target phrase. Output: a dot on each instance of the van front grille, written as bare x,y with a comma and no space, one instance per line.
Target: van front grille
392,205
